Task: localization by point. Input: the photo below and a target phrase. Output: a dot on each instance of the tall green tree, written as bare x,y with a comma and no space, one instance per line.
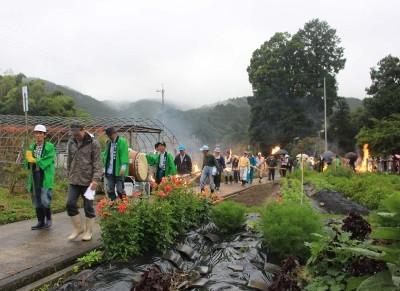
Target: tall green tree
341,129
383,137
385,89
286,74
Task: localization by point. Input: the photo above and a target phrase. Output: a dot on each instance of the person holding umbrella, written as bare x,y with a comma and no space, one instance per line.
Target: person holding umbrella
40,162
327,158
352,157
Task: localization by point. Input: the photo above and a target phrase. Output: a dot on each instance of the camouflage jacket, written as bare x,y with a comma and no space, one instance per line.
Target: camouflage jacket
83,161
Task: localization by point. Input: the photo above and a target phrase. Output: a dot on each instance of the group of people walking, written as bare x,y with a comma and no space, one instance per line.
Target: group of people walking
86,165
234,169
84,173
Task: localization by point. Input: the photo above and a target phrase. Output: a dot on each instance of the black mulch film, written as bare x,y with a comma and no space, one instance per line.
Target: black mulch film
202,261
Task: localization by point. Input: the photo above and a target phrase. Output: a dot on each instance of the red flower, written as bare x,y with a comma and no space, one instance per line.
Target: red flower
161,194
168,188
122,208
100,207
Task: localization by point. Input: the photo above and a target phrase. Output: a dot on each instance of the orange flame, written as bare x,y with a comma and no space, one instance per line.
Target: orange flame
275,150
363,167
195,168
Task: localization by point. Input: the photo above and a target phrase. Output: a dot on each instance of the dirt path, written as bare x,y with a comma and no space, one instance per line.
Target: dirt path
257,195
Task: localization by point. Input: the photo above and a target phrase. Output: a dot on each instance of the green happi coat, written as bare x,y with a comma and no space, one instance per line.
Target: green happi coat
122,156
46,163
170,167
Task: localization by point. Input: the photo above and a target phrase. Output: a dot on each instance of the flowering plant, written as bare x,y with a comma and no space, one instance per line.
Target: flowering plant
133,226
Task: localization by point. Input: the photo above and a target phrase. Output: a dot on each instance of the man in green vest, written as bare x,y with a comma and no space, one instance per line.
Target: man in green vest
116,162
40,162
163,161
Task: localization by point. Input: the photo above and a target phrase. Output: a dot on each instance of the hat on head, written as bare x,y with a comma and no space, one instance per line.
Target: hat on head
217,150
40,128
110,130
181,147
76,126
204,148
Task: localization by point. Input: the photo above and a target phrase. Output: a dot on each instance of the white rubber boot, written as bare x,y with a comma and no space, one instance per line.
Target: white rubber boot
89,229
76,223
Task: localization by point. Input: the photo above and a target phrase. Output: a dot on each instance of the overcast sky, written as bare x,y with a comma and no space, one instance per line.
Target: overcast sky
199,50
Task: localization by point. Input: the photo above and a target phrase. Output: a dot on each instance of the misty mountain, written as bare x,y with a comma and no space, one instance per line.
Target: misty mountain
221,123
84,102
354,103
224,122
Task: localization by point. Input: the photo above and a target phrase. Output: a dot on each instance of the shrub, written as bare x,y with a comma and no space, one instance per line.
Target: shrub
188,208
121,230
156,220
287,226
228,216
132,226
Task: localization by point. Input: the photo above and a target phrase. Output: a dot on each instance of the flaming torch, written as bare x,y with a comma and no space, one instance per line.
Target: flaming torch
363,167
195,169
275,150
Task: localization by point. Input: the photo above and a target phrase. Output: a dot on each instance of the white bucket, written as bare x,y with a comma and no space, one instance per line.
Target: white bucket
129,188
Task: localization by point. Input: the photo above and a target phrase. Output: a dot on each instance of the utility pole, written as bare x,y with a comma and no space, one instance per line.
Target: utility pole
326,130
162,91
25,104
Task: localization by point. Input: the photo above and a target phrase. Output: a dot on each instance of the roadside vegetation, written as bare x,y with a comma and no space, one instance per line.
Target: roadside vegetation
18,206
351,252
367,189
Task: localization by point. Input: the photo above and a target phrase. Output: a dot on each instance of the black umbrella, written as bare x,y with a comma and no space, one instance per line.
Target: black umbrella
328,156
282,152
351,156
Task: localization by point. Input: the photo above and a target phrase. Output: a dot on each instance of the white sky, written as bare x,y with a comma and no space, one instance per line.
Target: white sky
199,49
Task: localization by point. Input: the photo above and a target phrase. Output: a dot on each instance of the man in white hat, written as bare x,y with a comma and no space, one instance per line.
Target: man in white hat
208,170
40,161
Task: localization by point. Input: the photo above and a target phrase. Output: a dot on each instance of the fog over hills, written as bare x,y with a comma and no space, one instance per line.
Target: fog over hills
224,123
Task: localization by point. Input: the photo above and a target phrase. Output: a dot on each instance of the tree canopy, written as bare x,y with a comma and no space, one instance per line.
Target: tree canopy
385,89
341,129
286,74
41,102
384,136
